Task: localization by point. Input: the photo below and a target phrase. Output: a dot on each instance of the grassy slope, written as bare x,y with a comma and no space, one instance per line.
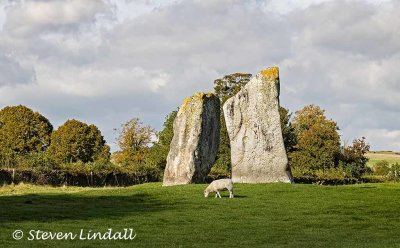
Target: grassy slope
391,157
275,215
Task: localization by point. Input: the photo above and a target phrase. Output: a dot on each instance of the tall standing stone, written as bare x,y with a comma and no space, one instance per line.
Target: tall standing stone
253,122
195,142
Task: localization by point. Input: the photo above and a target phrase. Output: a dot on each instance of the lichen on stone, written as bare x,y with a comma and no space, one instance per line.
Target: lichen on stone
270,73
201,95
197,96
185,103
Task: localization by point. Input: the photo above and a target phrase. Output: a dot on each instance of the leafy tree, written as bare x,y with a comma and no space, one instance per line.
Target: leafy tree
353,158
222,165
229,85
22,132
134,141
76,141
159,151
289,136
318,142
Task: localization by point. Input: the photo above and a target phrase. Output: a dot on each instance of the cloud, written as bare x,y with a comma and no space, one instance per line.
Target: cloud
99,81
13,72
26,18
107,61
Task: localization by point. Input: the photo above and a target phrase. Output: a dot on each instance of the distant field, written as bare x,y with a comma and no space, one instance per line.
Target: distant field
391,157
263,215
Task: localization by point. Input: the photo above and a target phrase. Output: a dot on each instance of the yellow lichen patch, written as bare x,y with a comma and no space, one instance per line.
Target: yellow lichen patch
202,94
208,94
198,96
270,73
185,103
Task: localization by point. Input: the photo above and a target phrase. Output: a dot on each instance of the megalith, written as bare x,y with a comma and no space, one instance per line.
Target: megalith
252,118
195,143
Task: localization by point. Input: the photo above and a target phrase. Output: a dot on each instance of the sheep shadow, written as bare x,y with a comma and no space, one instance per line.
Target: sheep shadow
240,196
227,196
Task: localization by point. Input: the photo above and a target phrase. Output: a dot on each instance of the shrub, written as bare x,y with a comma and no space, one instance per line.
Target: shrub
331,174
318,141
76,141
134,141
22,132
394,173
37,161
354,160
381,168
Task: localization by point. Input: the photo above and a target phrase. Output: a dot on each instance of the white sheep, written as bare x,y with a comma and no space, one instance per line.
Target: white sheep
217,185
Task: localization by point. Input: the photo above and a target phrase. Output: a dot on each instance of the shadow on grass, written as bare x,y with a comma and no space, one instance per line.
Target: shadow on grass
49,208
240,196
227,196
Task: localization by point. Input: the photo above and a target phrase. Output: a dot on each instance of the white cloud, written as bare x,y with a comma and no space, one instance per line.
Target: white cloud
130,9
26,18
99,81
285,6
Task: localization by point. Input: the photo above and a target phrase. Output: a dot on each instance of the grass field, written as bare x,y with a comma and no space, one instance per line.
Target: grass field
273,215
391,157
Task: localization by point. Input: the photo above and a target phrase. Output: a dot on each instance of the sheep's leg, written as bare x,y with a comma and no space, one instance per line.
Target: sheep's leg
219,194
230,193
216,194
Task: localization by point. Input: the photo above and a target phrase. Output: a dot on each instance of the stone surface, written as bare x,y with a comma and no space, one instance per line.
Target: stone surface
195,142
252,119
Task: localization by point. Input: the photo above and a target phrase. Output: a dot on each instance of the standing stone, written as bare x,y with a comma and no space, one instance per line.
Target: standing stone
195,142
253,122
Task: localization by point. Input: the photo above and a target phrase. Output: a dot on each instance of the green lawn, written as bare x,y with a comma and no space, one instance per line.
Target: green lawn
272,215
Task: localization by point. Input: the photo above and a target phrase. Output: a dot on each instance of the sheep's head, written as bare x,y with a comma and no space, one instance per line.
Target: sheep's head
206,193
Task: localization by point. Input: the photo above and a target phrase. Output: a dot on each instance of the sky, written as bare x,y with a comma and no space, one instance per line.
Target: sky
105,62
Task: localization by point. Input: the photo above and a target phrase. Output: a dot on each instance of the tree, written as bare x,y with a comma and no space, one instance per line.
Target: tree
318,142
222,165
159,151
229,85
289,136
76,141
353,158
22,132
134,140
